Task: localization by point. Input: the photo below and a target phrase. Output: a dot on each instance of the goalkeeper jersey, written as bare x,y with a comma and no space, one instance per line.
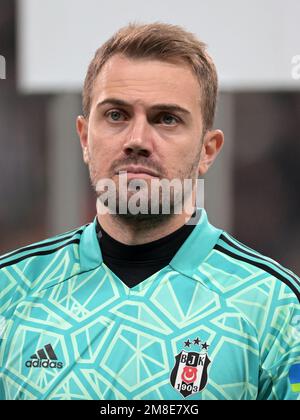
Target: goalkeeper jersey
219,322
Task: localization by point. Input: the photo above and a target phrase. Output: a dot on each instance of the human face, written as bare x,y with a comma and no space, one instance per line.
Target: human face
144,113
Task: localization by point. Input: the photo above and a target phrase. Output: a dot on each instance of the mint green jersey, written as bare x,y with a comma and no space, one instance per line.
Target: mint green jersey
219,322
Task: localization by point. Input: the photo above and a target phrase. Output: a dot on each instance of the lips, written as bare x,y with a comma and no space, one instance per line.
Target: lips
137,170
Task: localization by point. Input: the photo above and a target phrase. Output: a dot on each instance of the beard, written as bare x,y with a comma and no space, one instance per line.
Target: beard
144,203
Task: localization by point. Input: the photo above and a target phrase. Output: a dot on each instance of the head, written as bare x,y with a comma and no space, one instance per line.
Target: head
149,99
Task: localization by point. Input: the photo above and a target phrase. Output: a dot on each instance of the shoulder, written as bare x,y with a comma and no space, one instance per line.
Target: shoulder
256,267
36,266
45,247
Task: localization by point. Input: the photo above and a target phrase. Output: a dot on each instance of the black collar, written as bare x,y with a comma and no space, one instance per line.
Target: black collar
162,249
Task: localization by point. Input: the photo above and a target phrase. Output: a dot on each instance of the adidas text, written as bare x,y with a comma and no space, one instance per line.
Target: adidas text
44,364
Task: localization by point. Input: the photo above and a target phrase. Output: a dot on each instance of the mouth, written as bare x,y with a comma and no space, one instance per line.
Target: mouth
138,172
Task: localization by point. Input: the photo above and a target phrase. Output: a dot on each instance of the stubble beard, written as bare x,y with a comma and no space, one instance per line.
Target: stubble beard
142,220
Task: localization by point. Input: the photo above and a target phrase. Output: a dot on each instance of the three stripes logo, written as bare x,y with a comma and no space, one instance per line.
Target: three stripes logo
44,358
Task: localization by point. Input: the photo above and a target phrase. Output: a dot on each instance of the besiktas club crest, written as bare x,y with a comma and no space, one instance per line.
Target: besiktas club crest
189,374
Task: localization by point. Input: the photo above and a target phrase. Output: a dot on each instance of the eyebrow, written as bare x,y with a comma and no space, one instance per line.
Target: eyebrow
157,107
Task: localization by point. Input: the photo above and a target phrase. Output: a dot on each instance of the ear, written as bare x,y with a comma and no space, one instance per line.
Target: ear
212,145
82,131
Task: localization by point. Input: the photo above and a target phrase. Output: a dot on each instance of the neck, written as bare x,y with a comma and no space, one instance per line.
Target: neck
141,229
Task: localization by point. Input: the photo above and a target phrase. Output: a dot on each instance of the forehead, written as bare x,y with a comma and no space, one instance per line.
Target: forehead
147,81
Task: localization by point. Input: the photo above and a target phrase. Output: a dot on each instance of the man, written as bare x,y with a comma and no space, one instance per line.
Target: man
144,304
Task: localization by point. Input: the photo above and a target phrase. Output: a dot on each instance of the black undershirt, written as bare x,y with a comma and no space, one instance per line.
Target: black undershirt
134,263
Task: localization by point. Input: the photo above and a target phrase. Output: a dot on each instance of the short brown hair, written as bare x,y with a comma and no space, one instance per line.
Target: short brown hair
163,42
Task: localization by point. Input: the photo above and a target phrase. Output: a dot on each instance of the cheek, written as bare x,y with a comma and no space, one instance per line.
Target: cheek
182,158
185,164
99,156
99,145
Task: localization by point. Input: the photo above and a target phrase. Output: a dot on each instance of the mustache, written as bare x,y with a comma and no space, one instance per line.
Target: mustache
138,161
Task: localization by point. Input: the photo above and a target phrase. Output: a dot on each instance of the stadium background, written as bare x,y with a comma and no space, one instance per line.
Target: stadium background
252,190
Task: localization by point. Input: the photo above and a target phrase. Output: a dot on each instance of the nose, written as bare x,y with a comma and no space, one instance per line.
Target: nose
139,139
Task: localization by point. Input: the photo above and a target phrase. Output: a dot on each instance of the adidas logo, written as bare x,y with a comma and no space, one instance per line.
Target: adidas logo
44,358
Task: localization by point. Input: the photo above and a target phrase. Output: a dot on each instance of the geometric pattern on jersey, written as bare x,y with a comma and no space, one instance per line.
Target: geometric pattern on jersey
99,339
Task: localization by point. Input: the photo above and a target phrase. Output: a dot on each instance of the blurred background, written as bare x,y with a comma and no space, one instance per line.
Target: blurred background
253,189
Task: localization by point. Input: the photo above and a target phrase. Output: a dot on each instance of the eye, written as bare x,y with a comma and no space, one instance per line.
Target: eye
168,119
115,115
